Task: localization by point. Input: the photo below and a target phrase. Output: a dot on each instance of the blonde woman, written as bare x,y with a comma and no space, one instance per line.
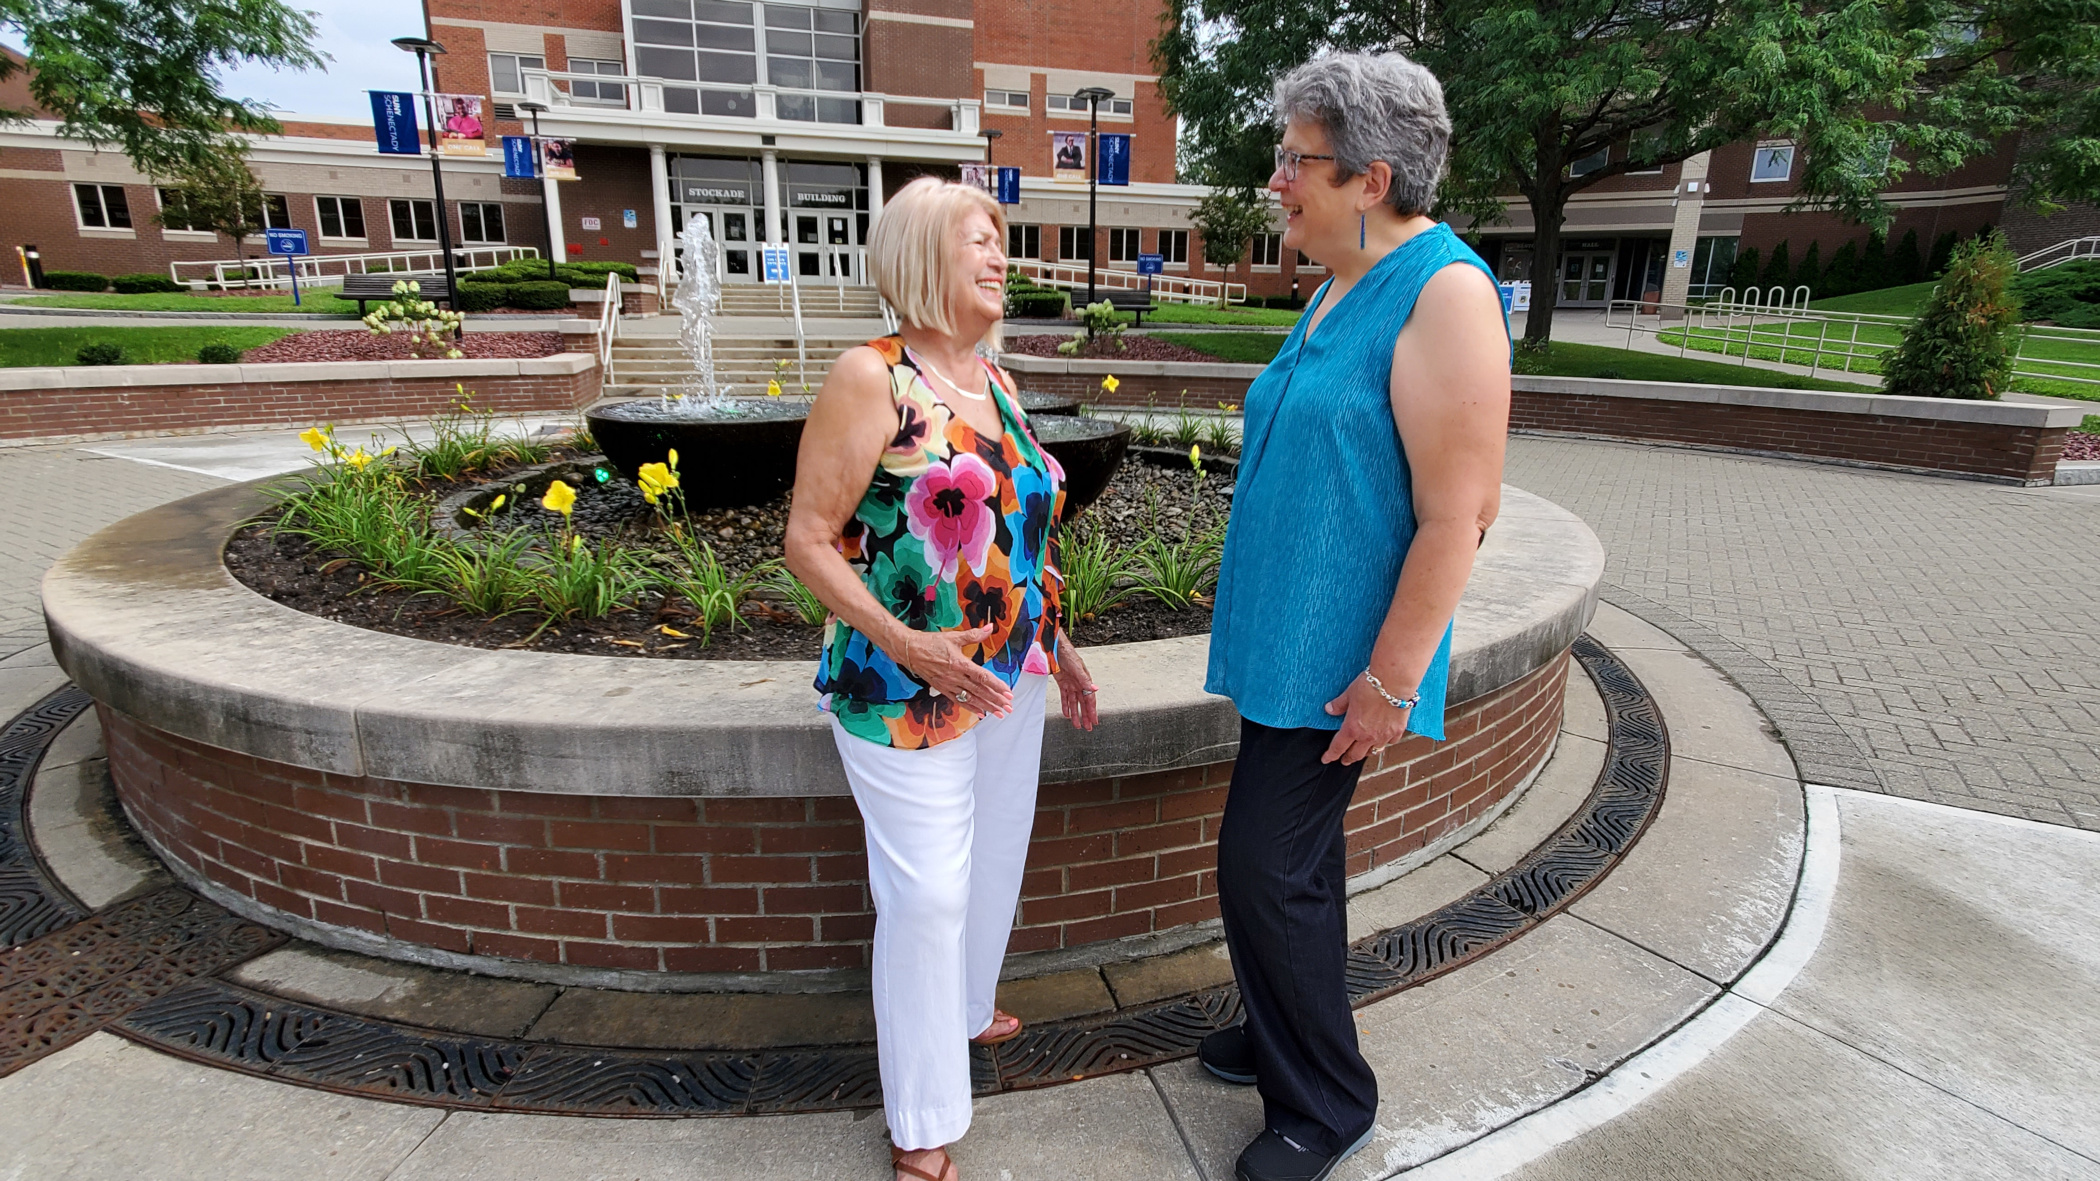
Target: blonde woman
925,518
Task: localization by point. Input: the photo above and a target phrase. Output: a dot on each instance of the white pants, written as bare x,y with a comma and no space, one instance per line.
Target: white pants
948,831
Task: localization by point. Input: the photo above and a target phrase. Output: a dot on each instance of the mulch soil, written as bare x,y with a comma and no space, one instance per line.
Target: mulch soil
1135,348
360,344
2080,445
287,569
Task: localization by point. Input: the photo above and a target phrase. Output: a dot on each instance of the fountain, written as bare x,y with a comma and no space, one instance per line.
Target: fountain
741,450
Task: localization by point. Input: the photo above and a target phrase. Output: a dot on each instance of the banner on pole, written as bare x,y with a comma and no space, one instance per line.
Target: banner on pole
1115,159
1068,156
394,123
460,130
558,158
978,176
1009,186
519,160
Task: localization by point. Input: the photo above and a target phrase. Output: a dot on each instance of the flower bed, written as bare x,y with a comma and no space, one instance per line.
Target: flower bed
1103,348
360,345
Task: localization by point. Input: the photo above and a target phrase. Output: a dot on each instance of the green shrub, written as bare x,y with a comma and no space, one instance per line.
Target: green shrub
1777,268
146,283
218,354
483,297
573,274
2068,295
1037,305
1961,345
102,352
75,281
540,296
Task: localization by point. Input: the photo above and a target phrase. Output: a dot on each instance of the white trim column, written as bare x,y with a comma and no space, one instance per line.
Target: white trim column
874,189
660,209
550,191
776,198
1684,235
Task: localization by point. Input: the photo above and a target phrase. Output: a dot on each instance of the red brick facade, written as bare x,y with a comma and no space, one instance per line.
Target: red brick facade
741,885
57,412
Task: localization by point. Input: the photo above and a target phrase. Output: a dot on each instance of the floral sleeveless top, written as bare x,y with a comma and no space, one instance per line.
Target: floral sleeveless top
957,530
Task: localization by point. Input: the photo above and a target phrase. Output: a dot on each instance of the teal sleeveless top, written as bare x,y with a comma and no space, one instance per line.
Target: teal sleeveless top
1323,508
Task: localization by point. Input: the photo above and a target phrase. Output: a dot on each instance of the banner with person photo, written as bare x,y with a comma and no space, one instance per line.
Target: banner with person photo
558,159
1068,155
977,176
460,129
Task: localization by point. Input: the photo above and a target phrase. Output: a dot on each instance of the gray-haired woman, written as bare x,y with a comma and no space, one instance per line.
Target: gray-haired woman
1370,470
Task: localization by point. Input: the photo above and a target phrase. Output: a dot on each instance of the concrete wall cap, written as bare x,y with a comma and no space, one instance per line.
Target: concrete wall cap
2014,414
145,617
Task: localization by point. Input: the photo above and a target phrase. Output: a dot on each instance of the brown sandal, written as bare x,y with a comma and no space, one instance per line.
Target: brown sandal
948,1168
987,1038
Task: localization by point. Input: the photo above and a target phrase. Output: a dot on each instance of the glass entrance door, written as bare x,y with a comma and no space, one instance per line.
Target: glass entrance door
1585,278
737,229
827,247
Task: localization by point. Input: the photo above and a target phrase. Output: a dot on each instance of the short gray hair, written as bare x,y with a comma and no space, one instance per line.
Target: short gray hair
1375,106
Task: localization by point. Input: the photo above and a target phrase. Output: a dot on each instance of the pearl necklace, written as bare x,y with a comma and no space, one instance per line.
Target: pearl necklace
927,366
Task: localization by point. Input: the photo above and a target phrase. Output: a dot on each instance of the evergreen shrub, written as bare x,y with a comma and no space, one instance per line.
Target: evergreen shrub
75,281
484,297
1961,345
2066,295
1037,305
146,283
102,352
218,354
543,295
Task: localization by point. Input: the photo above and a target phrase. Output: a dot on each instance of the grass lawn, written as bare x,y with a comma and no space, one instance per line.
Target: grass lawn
1246,348
148,346
1588,360
322,300
1889,301
1190,313
1797,343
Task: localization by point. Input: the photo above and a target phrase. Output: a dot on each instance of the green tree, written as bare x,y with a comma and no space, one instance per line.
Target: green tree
1874,262
142,74
1906,265
1962,344
1942,254
1744,272
1778,269
218,192
1227,219
1843,276
1534,86
1811,269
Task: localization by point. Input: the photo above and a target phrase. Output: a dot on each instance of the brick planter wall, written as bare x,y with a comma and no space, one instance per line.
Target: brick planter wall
1171,392
2025,455
77,403
740,885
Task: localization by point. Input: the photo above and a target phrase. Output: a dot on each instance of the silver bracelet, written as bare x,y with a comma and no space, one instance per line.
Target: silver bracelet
1409,702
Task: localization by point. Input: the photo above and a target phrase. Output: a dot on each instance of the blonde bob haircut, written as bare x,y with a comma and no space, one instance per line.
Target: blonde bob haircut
910,244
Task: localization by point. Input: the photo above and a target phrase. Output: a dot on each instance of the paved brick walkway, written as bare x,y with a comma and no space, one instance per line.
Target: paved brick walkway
1932,638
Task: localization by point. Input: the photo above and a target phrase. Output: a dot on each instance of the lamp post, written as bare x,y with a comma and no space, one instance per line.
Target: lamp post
989,135
546,210
423,47
1093,97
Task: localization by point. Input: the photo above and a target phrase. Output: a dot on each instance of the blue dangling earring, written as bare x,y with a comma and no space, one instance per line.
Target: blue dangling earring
1359,231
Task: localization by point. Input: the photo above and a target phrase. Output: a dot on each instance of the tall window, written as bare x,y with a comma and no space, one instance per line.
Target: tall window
171,210
1267,250
102,207
277,212
1072,242
1712,260
604,93
1174,246
698,41
480,221
814,49
414,220
504,75
340,217
1006,102
1123,245
1024,241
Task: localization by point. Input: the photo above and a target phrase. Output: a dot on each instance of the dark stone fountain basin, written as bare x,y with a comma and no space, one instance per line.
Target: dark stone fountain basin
1089,449
1038,403
733,459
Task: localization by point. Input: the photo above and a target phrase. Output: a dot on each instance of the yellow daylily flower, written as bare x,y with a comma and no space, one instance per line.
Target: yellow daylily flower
357,459
655,480
772,389
498,502
1110,383
668,630
315,438
674,459
560,498
1196,457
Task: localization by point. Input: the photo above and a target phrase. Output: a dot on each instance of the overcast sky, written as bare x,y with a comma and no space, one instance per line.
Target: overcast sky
355,34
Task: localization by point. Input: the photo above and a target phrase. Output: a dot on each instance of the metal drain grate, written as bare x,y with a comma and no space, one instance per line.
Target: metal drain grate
31,904
102,973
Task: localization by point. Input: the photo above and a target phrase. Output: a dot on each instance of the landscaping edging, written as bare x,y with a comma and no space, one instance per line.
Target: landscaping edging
2006,442
117,401
486,810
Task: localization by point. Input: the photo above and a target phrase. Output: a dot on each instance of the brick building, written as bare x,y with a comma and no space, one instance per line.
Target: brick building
795,121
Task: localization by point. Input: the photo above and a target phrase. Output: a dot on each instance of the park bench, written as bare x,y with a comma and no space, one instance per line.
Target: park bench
1137,303
379,285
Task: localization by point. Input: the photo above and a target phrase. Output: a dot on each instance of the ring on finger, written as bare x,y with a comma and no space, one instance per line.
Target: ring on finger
963,696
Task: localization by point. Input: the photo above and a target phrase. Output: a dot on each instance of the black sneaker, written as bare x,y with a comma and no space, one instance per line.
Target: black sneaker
1272,1157
1229,1055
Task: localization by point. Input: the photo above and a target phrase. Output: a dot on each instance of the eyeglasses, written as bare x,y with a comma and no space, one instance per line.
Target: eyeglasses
1288,161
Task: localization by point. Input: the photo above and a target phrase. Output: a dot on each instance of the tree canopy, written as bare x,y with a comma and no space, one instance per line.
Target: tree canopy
140,75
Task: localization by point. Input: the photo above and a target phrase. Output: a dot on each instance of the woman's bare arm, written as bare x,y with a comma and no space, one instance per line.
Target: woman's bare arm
851,422
1450,392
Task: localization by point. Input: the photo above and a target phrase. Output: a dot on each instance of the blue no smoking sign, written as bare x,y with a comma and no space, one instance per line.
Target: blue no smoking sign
285,241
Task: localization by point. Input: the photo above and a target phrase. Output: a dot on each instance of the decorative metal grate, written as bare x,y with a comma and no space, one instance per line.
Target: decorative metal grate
31,904
146,969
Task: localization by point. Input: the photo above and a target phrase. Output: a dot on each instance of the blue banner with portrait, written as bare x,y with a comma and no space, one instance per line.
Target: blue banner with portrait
1115,160
394,123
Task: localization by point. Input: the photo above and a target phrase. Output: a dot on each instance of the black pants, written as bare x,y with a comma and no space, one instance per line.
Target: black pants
1280,886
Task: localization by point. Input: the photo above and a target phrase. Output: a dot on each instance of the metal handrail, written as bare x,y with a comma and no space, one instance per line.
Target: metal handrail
1169,288
2073,249
646,95
317,269
608,327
